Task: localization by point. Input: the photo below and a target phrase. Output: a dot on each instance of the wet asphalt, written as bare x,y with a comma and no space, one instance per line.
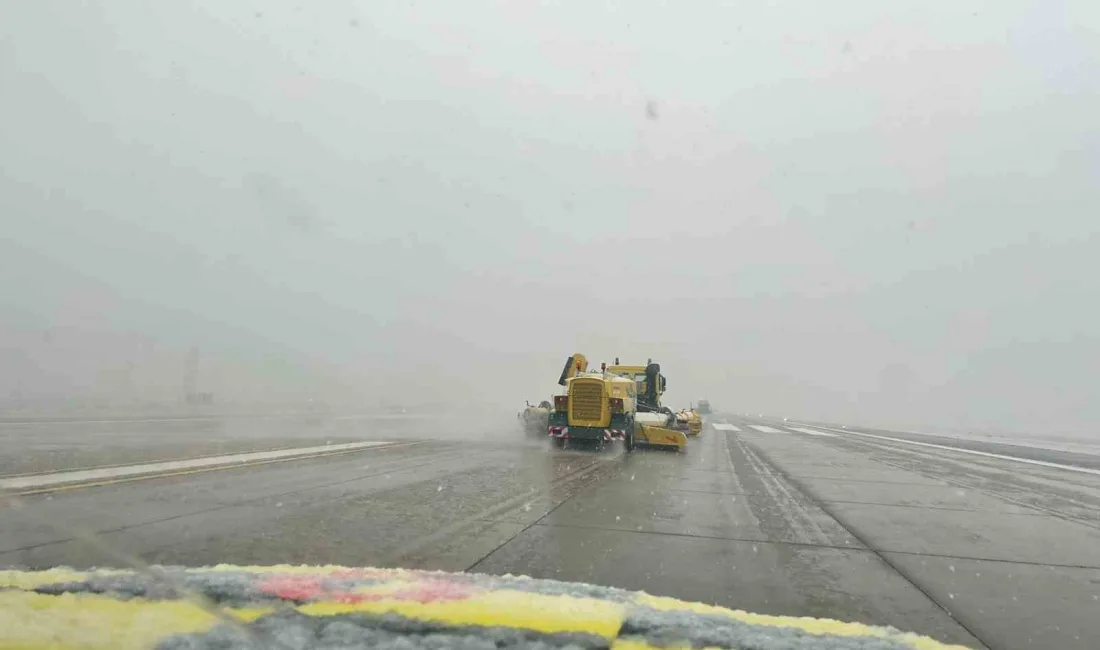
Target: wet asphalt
968,549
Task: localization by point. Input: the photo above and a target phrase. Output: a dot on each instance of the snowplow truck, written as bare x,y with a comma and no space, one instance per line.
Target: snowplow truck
655,424
597,406
704,407
689,421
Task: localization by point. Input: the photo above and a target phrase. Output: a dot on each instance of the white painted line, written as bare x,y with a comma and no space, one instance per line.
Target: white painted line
82,476
763,429
725,427
973,452
812,432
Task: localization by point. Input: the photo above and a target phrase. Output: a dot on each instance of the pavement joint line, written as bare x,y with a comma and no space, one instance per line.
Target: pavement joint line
945,556
235,504
973,452
810,477
838,547
503,507
863,480
718,471
1023,504
969,628
44,480
920,507
732,494
984,490
525,528
68,487
534,523
721,538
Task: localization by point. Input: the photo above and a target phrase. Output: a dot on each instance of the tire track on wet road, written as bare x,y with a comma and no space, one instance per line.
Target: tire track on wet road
852,530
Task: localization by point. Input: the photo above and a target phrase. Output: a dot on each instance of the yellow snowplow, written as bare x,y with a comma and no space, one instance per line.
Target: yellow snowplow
653,430
602,405
597,406
689,421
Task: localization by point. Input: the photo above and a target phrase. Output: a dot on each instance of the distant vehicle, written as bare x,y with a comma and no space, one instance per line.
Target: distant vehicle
704,407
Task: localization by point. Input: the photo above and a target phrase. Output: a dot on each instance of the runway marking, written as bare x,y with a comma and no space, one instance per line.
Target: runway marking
763,429
973,452
112,473
812,432
721,426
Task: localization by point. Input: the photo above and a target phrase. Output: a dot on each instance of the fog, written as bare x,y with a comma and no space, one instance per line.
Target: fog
860,212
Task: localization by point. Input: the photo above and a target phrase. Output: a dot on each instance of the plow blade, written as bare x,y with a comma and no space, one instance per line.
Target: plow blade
660,437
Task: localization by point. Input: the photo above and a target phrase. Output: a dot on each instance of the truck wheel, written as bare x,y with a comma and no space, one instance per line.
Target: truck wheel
628,439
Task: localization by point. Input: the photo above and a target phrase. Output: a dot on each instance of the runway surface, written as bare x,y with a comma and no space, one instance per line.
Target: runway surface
986,549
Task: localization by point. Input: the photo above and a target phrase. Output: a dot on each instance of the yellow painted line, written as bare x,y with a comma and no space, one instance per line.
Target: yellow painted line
213,468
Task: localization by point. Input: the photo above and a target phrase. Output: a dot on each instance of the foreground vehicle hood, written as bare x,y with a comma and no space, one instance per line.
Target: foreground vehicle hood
339,607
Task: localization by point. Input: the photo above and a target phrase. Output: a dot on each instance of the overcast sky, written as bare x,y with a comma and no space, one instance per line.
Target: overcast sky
861,211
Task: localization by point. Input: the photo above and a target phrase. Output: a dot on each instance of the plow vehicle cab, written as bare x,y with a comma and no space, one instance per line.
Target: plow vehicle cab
648,380
655,424
597,406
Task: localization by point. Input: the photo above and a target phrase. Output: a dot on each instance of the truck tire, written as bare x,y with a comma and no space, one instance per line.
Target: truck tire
628,438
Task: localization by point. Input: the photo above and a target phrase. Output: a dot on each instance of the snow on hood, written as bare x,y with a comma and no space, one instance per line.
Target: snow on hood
299,607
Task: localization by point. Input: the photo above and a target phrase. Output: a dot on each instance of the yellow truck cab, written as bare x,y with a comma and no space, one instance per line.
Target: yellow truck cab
650,397
597,406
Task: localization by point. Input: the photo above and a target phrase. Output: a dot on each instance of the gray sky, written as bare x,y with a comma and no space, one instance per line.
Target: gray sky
881,212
